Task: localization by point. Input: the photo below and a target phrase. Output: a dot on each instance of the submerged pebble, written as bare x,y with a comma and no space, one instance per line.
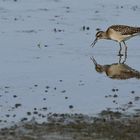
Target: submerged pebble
29,113
63,91
17,105
71,106
132,91
14,96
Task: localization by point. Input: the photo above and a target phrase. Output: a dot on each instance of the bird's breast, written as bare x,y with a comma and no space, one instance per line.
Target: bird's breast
117,36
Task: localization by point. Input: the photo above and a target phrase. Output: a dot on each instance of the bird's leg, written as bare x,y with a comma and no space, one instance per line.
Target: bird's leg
125,49
124,59
125,52
120,58
120,50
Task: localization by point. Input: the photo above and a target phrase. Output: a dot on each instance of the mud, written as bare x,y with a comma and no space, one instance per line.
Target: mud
107,125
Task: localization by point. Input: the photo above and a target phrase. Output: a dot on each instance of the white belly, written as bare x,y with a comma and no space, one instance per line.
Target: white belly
116,36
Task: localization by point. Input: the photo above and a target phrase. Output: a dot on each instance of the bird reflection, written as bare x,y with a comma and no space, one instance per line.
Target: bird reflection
116,70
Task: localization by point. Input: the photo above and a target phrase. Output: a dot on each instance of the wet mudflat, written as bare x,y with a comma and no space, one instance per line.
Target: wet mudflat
107,126
49,71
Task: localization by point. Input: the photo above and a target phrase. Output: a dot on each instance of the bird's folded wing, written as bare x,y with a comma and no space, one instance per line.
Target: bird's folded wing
126,30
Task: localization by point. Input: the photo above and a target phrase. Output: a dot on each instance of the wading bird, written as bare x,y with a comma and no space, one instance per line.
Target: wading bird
118,33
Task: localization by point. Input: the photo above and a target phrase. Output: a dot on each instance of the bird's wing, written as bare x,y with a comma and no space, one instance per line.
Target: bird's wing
130,71
126,30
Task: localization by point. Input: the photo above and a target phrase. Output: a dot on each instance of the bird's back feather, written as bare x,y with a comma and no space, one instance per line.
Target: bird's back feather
125,30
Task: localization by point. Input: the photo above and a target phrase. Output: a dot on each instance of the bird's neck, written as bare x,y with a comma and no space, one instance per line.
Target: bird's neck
105,35
105,67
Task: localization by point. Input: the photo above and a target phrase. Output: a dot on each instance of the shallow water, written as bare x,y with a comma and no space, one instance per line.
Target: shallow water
45,58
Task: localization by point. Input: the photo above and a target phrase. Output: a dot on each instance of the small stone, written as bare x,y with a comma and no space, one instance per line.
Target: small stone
115,96
35,112
130,103
114,101
66,97
7,115
55,115
87,28
59,30
14,115
70,106
55,30
117,89
28,113
137,98
7,87
47,87
12,132
113,90
14,96
45,45
43,116
44,108
96,11
63,91
17,105
98,29
67,7
15,19
24,119
84,28
39,115
132,91
123,109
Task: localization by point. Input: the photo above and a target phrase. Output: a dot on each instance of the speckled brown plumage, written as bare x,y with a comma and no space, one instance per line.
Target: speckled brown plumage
125,30
117,70
118,33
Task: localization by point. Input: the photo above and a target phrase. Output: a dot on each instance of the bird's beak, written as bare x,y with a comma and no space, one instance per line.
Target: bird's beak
94,42
94,61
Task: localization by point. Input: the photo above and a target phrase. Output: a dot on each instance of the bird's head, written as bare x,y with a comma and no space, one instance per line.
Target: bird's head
99,68
99,35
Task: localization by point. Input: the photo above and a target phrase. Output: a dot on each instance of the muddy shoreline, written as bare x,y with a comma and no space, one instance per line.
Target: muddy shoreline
48,65
107,126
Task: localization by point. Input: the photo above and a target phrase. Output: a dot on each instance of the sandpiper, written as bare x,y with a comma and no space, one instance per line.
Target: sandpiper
118,33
